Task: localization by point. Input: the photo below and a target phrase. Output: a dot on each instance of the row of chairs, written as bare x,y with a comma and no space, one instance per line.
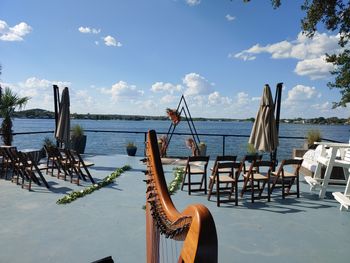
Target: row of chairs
19,165
67,162
226,174
24,170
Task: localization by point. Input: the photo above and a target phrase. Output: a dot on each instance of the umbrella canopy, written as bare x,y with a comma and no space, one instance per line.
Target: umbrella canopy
264,135
62,133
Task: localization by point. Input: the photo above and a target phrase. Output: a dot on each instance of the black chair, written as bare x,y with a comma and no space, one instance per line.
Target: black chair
196,166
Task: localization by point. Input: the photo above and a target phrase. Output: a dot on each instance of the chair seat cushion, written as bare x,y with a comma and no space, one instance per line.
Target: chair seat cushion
224,179
222,170
286,174
257,176
196,169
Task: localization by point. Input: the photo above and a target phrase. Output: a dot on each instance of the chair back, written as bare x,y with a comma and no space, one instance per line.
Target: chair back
197,161
295,162
257,164
250,159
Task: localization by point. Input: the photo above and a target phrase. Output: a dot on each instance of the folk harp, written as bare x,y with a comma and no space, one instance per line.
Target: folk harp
194,226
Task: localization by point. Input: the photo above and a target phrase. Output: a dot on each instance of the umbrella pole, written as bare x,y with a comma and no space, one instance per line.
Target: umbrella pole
56,99
278,98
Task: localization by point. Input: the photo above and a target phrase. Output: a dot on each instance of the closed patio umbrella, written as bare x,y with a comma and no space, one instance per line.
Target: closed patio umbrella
264,135
62,133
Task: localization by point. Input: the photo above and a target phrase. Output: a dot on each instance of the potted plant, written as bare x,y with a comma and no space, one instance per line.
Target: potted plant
173,115
48,143
312,136
251,149
131,149
78,139
202,149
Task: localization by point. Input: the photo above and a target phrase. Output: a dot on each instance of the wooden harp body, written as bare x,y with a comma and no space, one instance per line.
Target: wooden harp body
194,226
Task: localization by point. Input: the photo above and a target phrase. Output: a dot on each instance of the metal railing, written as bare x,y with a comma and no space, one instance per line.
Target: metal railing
222,136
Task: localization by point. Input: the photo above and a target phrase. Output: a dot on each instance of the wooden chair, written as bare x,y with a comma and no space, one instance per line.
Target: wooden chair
284,179
79,166
196,165
225,171
57,159
244,169
52,162
255,176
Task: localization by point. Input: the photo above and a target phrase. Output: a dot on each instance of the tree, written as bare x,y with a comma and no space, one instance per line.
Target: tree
9,101
335,15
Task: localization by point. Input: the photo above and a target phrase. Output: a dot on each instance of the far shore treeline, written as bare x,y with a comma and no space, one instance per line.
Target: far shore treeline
44,114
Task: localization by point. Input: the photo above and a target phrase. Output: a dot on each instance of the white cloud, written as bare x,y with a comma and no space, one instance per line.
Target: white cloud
122,89
83,97
39,91
316,68
230,18
309,52
196,85
301,94
242,98
15,33
89,30
193,2
111,42
165,87
216,99
324,107
168,99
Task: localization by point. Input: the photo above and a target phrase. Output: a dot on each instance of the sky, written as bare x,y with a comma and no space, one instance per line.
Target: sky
139,57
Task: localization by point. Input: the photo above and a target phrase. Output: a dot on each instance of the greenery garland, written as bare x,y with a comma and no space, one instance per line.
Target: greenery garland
174,185
88,190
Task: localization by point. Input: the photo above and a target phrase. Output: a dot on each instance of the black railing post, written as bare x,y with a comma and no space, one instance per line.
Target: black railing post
223,145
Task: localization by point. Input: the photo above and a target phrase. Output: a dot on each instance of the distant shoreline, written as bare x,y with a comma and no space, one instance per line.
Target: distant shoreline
44,114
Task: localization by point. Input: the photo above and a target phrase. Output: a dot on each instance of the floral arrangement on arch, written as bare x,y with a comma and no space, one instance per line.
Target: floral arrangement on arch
173,115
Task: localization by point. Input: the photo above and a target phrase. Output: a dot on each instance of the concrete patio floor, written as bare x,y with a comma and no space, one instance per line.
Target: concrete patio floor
111,221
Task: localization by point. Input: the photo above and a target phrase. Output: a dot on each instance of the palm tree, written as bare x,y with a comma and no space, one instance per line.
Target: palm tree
9,101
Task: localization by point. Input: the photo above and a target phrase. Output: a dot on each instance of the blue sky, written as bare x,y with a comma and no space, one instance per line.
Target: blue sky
138,57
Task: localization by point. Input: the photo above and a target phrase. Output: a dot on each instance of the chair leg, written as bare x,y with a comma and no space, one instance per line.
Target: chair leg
298,190
268,190
252,188
211,183
183,182
236,192
189,184
245,182
205,183
283,189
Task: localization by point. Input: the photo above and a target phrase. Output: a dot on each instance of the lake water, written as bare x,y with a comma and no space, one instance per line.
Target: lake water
111,143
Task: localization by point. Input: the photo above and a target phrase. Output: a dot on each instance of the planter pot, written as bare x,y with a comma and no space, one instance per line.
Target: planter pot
202,150
131,151
78,144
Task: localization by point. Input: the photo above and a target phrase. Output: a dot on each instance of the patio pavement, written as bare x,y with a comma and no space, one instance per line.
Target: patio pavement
111,221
